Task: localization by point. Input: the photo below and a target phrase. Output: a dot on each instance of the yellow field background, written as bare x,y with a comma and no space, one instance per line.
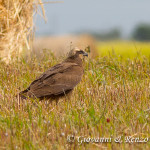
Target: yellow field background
126,49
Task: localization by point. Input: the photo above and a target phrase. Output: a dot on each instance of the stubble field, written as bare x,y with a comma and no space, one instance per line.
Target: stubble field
112,100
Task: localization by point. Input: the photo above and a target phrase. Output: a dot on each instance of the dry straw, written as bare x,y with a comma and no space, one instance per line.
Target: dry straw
16,26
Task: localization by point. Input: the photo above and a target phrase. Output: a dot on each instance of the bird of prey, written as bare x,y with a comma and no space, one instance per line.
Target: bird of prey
59,80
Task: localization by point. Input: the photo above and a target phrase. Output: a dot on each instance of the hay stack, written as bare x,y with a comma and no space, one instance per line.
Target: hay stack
16,26
66,42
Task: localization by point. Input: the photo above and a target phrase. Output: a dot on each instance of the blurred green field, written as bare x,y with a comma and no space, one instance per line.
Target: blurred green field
112,100
124,49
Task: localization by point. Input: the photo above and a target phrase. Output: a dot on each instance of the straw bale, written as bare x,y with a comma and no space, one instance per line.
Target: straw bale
61,45
16,26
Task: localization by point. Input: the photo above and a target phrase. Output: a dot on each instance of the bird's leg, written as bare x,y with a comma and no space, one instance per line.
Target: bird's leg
57,101
18,101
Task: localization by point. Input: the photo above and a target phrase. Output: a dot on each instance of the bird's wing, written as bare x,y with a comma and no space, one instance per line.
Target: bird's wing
53,70
57,80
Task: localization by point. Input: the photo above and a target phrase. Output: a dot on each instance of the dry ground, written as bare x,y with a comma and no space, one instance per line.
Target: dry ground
112,100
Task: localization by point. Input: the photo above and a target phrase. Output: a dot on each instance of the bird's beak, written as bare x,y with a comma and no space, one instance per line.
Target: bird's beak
85,54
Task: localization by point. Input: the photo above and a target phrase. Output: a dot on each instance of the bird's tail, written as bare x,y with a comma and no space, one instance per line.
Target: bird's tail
24,94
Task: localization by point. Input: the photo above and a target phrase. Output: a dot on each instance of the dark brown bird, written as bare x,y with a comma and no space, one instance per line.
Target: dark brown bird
59,80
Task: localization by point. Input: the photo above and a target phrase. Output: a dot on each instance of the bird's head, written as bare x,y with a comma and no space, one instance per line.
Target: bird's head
76,55
78,52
